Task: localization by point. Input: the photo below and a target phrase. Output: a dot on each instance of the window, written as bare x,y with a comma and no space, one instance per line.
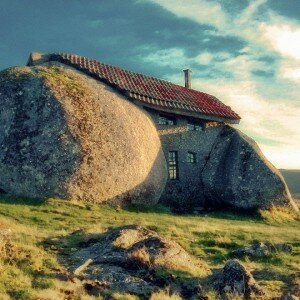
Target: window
193,126
191,157
163,120
173,165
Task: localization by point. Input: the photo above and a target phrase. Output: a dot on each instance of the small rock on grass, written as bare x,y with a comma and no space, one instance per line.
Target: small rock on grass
259,249
234,278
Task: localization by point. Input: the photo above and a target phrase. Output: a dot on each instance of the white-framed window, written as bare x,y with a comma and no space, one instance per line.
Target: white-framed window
191,157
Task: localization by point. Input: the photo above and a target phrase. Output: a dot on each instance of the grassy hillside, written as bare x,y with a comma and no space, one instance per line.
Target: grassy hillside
292,178
30,270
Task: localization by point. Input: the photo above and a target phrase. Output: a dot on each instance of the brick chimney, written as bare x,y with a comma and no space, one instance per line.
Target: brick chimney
188,78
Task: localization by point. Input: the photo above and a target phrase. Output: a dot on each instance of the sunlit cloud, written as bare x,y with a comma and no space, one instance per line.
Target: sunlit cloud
284,38
271,121
246,53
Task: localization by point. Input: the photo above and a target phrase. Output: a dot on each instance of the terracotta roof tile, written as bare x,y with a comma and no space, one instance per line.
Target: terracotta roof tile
149,89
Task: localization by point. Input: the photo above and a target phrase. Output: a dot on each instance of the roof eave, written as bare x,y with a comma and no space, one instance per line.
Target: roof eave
196,115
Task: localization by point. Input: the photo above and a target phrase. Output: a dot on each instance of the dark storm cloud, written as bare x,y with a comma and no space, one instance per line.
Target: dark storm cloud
116,32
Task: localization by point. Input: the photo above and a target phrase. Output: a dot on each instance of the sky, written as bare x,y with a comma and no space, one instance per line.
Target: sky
245,52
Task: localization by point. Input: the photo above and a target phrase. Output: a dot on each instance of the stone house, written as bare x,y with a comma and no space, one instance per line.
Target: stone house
187,121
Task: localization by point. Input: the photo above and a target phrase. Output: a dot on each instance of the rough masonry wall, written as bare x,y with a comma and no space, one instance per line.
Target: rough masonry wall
187,191
230,170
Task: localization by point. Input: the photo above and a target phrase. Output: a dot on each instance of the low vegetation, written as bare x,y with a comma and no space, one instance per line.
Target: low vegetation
30,267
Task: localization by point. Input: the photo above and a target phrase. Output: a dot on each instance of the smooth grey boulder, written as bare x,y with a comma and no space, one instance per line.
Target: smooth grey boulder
66,135
238,175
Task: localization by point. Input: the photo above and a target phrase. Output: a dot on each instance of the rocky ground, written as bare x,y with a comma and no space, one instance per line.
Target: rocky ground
135,260
68,250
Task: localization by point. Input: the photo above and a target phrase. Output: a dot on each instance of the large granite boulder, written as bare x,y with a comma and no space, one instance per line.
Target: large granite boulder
238,175
64,134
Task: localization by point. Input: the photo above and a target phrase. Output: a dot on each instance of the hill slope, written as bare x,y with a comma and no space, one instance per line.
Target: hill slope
292,178
33,270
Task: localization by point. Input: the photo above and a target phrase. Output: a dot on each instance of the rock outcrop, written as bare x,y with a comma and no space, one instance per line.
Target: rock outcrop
131,259
64,134
238,175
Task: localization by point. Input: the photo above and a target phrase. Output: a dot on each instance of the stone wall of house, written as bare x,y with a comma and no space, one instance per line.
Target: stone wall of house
187,190
230,170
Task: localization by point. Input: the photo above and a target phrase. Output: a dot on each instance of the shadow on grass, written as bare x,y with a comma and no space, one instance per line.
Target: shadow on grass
13,200
234,215
217,214
159,209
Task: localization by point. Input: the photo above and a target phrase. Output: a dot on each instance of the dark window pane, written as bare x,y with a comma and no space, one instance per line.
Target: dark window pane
191,157
173,165
192,126
164,120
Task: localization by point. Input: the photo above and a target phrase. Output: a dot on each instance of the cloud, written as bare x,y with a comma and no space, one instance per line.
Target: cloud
241,51
284,38
204,58
290,71
275,33
258,80
166,57
246,15
202,12
274,125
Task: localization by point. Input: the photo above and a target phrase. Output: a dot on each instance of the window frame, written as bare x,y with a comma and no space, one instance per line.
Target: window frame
191,157
166,120
173,170
191,126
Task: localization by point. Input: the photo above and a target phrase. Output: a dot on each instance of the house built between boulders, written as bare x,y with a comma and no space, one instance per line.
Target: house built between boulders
127,138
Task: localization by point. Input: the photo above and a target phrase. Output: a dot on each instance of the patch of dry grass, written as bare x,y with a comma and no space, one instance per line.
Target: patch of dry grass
278,215
164,295
31,270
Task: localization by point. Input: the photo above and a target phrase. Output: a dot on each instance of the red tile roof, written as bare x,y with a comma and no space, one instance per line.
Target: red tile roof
149,90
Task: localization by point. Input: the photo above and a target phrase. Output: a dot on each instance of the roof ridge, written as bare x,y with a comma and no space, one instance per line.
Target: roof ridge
150,90
137,73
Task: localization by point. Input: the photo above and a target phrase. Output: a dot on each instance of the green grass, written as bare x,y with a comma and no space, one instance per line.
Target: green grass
30,271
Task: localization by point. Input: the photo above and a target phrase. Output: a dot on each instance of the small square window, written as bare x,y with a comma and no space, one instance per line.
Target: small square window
190,127
194,127
164,120
191,157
